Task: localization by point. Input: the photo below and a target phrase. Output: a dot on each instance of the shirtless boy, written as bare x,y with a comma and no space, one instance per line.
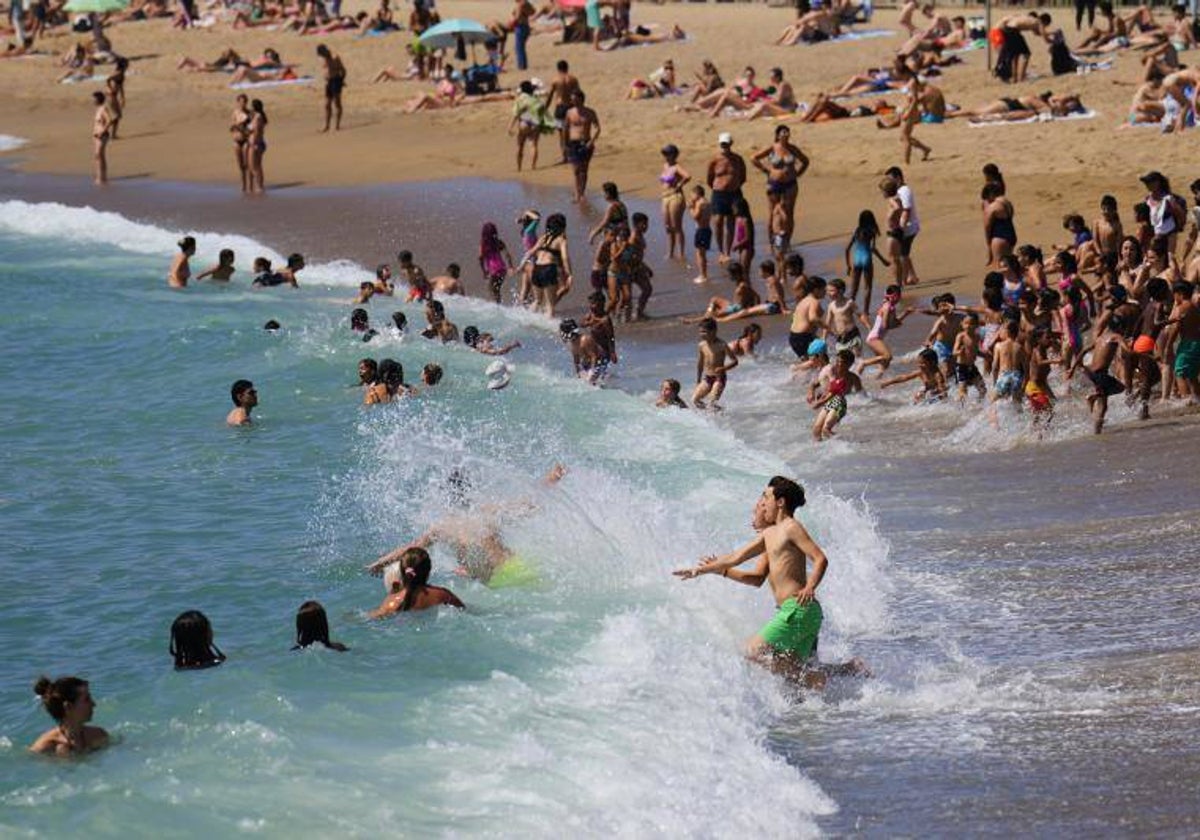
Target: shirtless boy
933,383
713,361
944,331
808,320
842,319
966,351
701,214
244,399
1008,364
783,547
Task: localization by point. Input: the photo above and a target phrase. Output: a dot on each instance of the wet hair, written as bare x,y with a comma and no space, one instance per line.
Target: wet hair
56,694
391,374
737,272
271,325
187,243
489,237
788,492
400,320
240,387
610,191
261,264
437,308
567,328
415,566
359,319
225,257
1067,260
431,374
929,357
598,298
867,223
556,224
846,356
372,366
639,219
708,325
454,270
752,330
191,642
470,336
312,625
295,261
793,264
405,257
673,385
458,487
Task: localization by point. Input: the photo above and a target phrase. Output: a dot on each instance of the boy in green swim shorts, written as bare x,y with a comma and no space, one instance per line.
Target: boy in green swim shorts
783,546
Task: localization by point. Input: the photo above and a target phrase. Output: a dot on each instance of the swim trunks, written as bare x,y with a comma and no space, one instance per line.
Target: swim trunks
723,201
1008,383
966,374
1187,358
334,85
733,309
943,351
906,240
711,379
799,342
1104,384
578,151
793,629
513,572
850,340
1039,400
837,406
934,119
702,240
773,308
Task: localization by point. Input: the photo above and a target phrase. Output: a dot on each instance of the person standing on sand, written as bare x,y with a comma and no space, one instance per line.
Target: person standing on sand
335,80
519,26
563,88
256,147
101,124
583,130
239,127
905,232
726,175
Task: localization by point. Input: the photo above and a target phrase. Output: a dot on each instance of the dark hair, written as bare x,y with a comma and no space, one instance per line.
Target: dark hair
98,97
400,320
240,387
751,329
431,374
415,567
556,224
372,366
322,50
1182,287
1067,260
598,297
794,263
191,642
767,266
58,693
358,319
526,87
990,191
1157,289
470,336
437,307
226,255
312,625
1108,201
708,325
295,261
737,272
815,284
1010,262
867,223
640,219
1030,252
454,269
391,374
993,299
405,256
928,356
1141,212
893,289
788,492
186,243
674,385
271,325
610,190
562,66
895,173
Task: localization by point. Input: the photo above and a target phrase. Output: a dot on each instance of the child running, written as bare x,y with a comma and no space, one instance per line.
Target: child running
933,383
861,253
886,319
713,361
495,261
966,351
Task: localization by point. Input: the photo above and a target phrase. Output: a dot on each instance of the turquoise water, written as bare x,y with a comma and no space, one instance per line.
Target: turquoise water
609,699
1027,605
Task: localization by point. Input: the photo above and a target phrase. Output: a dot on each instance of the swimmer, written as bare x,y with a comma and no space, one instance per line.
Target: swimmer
788,643
449,283
69,701
192,642
245,397
590,360
181,272
668,395
473,534
222,271
431,375
312,627
412,591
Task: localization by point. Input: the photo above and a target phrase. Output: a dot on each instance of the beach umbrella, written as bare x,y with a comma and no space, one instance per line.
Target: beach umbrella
95,7
451,33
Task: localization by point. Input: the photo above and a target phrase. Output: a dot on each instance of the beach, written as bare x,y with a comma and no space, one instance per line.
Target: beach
1023,598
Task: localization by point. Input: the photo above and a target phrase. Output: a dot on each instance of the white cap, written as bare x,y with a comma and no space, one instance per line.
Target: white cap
725,139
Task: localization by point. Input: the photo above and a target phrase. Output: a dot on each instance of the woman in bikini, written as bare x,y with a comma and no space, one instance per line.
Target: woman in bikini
783,163
672,178
447,94
239,128
998,229
411,590
551,276
70,703
256,146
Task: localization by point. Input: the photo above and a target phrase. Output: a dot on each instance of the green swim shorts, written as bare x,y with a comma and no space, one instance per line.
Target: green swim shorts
1187,358
514,572
794,628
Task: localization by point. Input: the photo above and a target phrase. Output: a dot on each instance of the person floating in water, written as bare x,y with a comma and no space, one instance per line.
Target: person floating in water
474,535
69,701
788,642
411,590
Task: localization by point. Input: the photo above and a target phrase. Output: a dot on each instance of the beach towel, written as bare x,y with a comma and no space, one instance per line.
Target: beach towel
74,80
299,80
1041,118
971,47
863,34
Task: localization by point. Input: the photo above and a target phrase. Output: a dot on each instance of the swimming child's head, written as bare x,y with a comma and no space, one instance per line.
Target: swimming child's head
312,625
359,320
225,257
400,320
242,391
261,264
188,245
192,641
470,336
431,374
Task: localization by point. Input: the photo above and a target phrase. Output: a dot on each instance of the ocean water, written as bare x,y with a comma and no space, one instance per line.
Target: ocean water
1027,606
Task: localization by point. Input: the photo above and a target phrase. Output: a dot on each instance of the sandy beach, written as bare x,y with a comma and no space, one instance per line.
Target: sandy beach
175,126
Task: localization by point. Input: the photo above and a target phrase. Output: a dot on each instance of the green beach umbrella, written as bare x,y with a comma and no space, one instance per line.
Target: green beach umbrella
98,7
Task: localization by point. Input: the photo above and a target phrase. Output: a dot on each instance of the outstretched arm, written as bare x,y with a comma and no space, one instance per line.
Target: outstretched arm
424,541
714,564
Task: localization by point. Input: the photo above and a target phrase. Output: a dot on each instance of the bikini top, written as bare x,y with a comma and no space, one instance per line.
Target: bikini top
779,161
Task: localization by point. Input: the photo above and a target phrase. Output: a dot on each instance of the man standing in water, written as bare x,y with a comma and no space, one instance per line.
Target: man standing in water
726,175
788,642
583,130
335,80
244,399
